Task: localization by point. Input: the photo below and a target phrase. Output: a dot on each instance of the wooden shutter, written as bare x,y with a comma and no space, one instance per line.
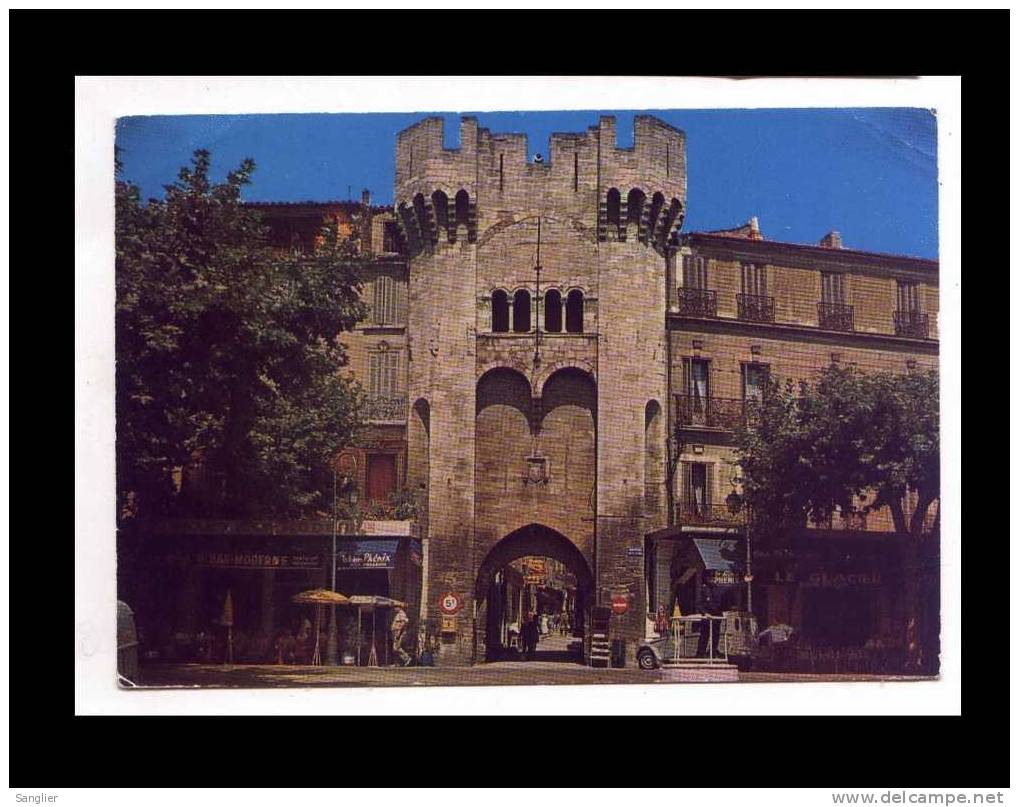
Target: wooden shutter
686,494
374,374
709,479
391,384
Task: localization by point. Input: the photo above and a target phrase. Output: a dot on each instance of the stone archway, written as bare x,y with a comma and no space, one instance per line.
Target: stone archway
531,540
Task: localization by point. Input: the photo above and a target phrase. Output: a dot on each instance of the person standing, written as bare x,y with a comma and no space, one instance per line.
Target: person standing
530,637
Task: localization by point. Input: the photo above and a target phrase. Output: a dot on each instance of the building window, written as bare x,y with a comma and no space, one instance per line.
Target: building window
553,311
385,303
833,288
522,311
383,374
697,381
755,279
612,207
697,488
909,319
390,237
575,311
755,380
500,311
695,272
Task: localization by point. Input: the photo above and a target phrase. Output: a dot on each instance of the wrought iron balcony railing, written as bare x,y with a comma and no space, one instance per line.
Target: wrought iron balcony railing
386,407
711,413
911,323
708,515
754,308
835,316
697,302
842,521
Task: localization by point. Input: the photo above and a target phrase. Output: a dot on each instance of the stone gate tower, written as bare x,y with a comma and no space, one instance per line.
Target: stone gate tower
537,374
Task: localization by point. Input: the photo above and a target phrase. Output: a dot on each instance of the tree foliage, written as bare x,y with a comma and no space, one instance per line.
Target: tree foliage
228,352
845,441
849,442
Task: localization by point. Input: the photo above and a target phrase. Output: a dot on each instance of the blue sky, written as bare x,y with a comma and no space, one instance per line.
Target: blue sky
871,174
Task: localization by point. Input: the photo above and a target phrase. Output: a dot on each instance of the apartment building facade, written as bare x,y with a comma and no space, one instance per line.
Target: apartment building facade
744,309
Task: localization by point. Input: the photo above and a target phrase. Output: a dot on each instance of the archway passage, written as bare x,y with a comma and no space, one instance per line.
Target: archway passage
533,573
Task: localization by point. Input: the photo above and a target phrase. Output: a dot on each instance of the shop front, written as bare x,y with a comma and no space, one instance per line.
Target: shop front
693,573
839,594
227,591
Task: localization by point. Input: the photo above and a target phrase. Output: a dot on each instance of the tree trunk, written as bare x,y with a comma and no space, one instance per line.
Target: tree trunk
912,540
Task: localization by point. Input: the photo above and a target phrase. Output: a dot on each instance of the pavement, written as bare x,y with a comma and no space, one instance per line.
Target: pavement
557,661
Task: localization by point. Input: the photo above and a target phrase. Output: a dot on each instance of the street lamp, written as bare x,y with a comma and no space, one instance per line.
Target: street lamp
348,489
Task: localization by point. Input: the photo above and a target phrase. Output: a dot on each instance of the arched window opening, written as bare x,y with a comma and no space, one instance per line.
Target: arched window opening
522,311
410,226
657,203
500,311
670,220
462,202
634,207
612,208
653,456
440,203
422,216
575,311
553,311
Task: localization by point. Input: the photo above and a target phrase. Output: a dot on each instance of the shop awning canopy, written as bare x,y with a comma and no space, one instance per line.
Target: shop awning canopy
719,554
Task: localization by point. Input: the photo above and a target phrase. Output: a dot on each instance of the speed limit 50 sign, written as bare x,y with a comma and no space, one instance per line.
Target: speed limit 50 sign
450,603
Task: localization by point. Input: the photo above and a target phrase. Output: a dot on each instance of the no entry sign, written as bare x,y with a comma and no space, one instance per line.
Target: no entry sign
620,604
450,603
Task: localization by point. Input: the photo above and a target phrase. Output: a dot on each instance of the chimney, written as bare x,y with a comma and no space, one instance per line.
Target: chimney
755,229
833,240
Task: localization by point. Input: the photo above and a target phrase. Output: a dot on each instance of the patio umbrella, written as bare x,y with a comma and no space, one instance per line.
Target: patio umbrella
371,602
319,597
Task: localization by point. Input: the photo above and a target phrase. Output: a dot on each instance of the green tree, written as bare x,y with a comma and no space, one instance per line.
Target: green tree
848,442
228,352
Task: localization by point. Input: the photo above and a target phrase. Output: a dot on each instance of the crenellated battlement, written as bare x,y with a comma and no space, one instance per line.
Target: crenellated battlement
445,194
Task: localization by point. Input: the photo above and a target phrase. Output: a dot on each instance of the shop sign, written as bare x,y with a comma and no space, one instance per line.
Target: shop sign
825,580
367,555
450,603
256,560
534,579
535,565
620,604
724,577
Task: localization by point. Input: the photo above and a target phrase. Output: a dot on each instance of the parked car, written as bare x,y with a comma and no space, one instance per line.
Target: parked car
737,641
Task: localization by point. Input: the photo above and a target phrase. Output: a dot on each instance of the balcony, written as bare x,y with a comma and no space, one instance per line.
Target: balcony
911,323
386,408
754,308
842,521
835,316
709,413
697,302
691,514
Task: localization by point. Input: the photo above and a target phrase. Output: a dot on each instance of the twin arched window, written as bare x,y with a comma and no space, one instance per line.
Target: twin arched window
554,311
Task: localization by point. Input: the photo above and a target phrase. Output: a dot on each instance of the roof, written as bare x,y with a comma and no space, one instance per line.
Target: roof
351,204
740,238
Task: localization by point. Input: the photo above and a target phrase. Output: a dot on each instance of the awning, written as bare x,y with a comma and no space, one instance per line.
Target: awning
720,555
367,554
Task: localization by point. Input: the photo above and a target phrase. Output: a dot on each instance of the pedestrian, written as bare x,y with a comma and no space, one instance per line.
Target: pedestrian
530,637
